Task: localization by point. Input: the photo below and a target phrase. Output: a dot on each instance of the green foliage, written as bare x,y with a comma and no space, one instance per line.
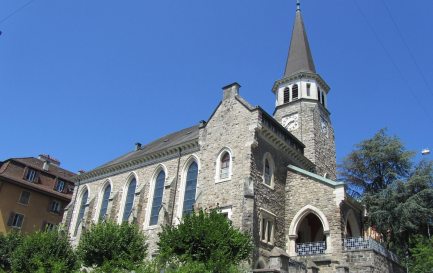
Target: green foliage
375,164
112,247
8,244
44,252
204,240
422,256
398,194
404,209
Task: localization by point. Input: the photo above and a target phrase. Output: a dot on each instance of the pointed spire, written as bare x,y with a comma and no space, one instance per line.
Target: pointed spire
300,58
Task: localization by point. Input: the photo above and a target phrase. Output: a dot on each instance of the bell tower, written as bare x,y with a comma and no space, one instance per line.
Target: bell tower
302,102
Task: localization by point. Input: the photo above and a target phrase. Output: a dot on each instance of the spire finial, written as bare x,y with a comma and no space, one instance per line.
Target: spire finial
298,5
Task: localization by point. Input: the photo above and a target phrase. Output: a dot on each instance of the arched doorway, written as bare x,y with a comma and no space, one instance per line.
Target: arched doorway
352,229
309,233
310,230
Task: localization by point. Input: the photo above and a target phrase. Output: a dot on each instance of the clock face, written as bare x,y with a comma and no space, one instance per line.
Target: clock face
291,122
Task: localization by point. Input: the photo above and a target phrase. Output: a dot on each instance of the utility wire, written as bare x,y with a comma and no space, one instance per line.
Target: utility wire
407,47
15,11
393,62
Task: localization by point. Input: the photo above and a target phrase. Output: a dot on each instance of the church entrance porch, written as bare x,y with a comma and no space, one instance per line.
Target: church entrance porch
309,233
311,238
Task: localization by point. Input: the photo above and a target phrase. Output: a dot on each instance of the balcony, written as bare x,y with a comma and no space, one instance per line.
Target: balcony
359,243
312,248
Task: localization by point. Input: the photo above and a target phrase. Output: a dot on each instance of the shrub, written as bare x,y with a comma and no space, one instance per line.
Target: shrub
112,247
204,239
8,244
46,252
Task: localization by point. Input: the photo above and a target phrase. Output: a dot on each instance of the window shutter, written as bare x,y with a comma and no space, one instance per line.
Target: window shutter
20,221
11,219
36,179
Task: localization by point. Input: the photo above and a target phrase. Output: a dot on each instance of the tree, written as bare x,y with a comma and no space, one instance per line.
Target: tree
375,164
397,194
404,209
422,256
8,244
204,240
112,247
48,251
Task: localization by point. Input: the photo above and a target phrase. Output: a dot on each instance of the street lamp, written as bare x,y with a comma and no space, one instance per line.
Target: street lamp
426,151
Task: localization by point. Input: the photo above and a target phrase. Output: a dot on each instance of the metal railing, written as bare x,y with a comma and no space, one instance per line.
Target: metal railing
360,243
313,248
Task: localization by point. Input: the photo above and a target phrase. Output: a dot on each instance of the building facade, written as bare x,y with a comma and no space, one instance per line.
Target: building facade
272,175
33,193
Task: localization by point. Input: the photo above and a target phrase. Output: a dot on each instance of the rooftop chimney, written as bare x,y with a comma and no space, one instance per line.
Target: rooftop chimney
51,160
137,146
46,165
231,90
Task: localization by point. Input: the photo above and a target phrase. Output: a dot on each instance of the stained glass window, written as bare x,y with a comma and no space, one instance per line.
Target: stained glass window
157,198
104,202
81,210
129,201
190,189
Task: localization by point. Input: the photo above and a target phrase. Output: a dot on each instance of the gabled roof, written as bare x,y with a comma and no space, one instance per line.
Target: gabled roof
317,177
160,144
300,58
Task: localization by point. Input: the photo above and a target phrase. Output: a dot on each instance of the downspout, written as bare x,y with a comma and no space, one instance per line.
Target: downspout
175,186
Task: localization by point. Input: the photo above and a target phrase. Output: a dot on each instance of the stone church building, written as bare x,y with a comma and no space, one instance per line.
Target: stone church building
273,175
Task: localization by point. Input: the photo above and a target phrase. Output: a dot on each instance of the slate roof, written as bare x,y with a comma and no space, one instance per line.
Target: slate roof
160,144
300,58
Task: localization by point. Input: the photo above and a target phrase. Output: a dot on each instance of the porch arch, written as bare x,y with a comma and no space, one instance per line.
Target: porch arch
298,219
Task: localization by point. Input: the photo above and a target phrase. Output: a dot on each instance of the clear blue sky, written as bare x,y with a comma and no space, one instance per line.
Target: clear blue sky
84,80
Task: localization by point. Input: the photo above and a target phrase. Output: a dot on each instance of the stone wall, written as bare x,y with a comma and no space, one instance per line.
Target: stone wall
145,177
369,261
306,194
319,145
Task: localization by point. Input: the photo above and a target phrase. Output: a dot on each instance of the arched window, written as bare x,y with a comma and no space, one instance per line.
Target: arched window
225,166
295,92
308,89
104,202
319,94
286,95
81,210
268,170
190,189
129,200
323,98
267,173
157,198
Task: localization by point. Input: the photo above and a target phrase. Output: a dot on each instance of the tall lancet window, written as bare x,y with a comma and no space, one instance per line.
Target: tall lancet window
295,92
286,95
81,210
157,198
268,174
225,166
104,202
319,94
190,188
323,99
129,200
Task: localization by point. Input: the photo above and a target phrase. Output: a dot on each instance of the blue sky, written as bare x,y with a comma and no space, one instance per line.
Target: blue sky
84,80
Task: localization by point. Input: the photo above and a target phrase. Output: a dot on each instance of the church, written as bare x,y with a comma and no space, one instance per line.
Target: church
273,175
